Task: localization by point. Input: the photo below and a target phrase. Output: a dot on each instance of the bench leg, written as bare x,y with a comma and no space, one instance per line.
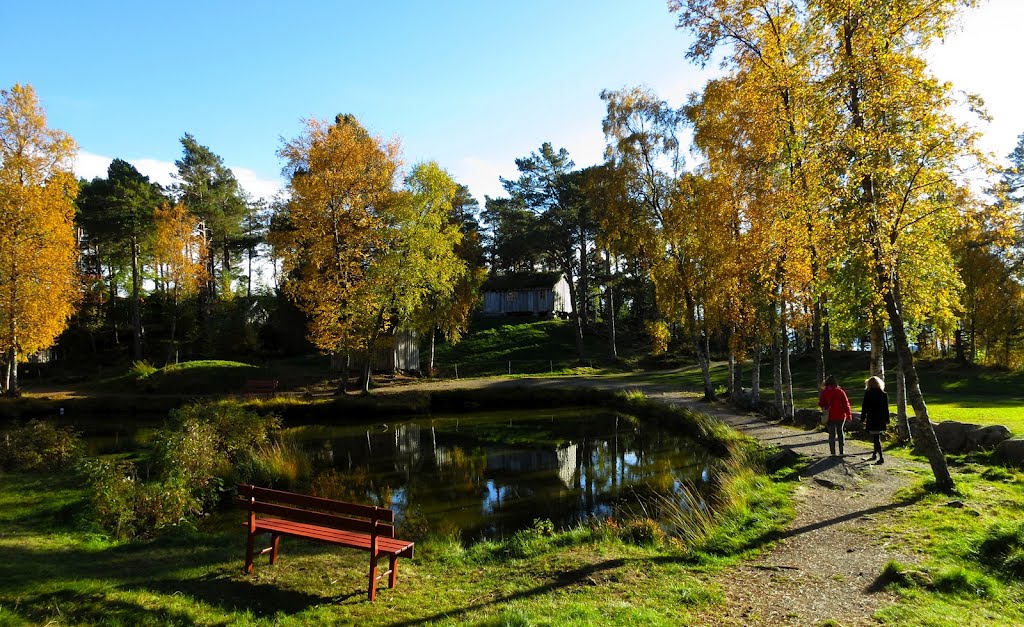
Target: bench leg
373,577
393,576
248,554
275,541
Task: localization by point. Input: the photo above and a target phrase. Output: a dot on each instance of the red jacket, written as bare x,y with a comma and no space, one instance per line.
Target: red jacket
834,398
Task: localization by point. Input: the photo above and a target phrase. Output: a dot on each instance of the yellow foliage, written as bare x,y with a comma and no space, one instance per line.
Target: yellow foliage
39,285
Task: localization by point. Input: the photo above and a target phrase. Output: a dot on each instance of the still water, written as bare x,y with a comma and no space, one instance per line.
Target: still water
488,475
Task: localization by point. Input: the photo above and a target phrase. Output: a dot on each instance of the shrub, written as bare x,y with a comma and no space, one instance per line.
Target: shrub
126,508
38,446
642,532
273,464
193,457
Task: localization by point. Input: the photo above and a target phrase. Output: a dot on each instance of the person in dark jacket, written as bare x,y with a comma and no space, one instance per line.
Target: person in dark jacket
874,413
837,408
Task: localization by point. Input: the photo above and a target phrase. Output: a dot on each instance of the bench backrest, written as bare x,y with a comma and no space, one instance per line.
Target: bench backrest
315,510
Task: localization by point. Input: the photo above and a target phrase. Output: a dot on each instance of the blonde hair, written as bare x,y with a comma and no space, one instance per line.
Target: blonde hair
874,383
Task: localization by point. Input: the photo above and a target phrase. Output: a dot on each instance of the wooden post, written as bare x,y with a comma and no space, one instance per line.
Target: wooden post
373,555
274,542
250,540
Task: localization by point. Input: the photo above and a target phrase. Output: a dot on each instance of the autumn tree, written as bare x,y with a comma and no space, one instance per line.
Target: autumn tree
902,151
179,250
341,181
666,215
38,252
450,314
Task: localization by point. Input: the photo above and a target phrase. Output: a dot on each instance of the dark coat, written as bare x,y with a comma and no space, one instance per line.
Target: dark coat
875,410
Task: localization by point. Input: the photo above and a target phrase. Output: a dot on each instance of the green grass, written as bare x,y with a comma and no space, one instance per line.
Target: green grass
970,555
978,395
532,346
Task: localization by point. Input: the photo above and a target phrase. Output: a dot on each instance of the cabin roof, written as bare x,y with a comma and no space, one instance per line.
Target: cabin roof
521,281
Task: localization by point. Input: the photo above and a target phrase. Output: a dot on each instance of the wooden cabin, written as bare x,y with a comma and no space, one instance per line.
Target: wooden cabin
534,293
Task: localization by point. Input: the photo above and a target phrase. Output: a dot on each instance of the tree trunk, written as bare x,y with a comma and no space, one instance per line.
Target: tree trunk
755,378
732,376
171,353
877,366
584,278
433,335
924,434
787,372
575,315
12,373
816,347
902,424
136,314
700,344
365,378
611,308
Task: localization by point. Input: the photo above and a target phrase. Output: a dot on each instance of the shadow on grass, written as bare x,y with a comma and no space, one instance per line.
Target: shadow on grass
578,576
74,607
241,595
159,566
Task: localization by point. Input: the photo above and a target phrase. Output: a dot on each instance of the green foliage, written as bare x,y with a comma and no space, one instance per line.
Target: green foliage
205,447
642,532
38,446
544,526
140,370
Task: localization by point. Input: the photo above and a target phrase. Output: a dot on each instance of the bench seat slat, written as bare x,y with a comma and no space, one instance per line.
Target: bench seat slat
390,546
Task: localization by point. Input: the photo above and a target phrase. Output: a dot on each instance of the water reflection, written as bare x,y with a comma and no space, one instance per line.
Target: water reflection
490,475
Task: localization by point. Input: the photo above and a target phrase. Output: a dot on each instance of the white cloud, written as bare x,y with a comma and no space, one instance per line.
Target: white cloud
257,186
89,165
481,177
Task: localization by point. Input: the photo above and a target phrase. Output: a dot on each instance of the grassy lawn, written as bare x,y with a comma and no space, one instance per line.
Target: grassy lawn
970,550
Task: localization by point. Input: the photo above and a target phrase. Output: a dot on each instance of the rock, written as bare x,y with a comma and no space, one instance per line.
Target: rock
807,418
952,435
785,458
963,437
987,437
1011,451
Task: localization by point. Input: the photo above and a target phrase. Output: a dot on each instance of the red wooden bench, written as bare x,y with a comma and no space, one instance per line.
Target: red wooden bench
363,527
261,387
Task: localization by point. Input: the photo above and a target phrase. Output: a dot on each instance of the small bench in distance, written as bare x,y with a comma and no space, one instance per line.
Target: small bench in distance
364,527
263,388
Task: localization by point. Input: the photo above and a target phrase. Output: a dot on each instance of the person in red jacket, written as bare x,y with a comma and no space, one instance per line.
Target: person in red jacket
837,406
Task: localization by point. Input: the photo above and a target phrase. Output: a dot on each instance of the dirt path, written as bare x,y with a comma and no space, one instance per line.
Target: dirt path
826,563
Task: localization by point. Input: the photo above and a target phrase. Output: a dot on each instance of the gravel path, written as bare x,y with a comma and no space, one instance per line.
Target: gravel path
825,565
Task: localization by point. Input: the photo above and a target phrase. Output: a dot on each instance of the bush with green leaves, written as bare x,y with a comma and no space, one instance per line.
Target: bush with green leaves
194,457
38,446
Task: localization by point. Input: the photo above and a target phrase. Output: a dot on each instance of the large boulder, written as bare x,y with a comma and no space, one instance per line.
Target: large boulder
952,435
807,418
964,437
1011,451
987,437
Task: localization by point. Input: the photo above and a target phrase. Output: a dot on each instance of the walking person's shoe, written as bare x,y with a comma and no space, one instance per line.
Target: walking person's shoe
881,460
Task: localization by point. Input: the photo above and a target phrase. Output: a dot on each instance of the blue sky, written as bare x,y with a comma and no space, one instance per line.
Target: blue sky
470,84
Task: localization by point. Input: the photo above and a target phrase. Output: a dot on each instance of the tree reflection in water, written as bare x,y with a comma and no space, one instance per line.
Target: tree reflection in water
489,475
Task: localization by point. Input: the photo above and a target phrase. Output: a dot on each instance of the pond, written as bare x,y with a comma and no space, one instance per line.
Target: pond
483,475
489,475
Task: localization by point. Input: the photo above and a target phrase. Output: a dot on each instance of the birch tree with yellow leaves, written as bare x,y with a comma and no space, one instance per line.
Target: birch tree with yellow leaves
362,256
38,253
